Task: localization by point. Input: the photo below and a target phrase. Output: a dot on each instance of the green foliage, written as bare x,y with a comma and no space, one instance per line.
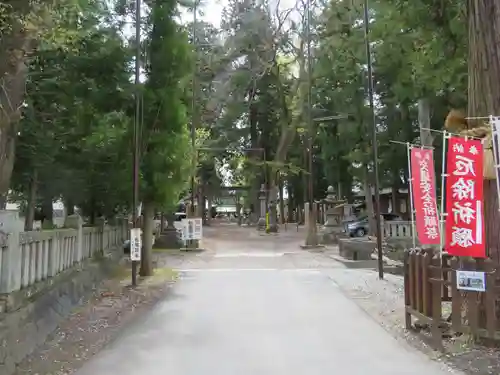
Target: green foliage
75,131
166,156
249,90
418,51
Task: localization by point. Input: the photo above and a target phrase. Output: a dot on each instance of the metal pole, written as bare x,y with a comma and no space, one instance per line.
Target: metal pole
374,143
309,103
494,132
193,106
135,177
443,180
312,238
412,205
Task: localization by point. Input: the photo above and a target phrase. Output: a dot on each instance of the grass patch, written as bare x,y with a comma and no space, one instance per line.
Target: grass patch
120,272
166,273
160,275
163,274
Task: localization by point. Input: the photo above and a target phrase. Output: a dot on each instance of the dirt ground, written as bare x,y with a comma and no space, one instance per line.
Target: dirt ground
96,322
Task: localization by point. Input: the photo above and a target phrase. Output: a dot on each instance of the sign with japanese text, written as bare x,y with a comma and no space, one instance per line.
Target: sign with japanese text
424,196
135,244
192,229
464,198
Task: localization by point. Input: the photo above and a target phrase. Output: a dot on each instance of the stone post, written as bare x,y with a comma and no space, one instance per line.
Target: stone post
10,227
53,263
76,222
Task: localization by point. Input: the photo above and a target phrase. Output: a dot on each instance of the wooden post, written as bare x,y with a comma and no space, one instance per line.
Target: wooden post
436,287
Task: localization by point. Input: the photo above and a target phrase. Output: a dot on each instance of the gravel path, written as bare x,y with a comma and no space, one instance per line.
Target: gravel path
383,300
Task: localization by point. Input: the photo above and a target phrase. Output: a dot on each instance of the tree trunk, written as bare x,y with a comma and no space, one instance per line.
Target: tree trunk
290,206
424,121
282,201
92,210
15,47
255,155
273,196
305,190
147,239
70,206
200,208
238,211
395,199
30,208
484,95
3,201
47,212
162,223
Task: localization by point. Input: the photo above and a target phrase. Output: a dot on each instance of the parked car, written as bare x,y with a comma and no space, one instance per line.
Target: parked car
180,215
360,226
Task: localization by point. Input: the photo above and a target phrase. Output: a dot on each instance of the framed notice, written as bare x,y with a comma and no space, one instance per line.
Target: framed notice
192,229
471,280
135,244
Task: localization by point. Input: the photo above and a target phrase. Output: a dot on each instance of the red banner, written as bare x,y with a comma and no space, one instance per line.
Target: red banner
424,196
464,198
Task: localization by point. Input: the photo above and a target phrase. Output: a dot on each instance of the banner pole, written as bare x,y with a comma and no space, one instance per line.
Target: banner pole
410,185
443,178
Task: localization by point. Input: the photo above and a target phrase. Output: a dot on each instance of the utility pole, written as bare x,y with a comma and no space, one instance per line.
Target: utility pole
374,143
194,115
312,238
135,177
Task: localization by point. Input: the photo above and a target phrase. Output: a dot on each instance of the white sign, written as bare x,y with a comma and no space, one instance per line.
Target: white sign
471,280
192,229
135,244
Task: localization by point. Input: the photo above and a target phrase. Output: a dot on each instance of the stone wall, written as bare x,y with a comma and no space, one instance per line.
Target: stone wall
30,315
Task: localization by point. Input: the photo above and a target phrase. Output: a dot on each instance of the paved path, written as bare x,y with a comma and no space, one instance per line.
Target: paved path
257,306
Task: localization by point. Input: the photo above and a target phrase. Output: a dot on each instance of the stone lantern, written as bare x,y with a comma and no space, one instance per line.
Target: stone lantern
261,224
335,213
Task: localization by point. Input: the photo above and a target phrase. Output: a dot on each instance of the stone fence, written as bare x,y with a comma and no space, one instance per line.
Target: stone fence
45,274
397,228
27,258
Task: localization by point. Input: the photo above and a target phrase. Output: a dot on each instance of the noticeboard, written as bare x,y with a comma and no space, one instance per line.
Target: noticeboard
471,280
135,244
192,229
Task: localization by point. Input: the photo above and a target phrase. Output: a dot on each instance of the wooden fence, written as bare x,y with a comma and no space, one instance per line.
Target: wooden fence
432,296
